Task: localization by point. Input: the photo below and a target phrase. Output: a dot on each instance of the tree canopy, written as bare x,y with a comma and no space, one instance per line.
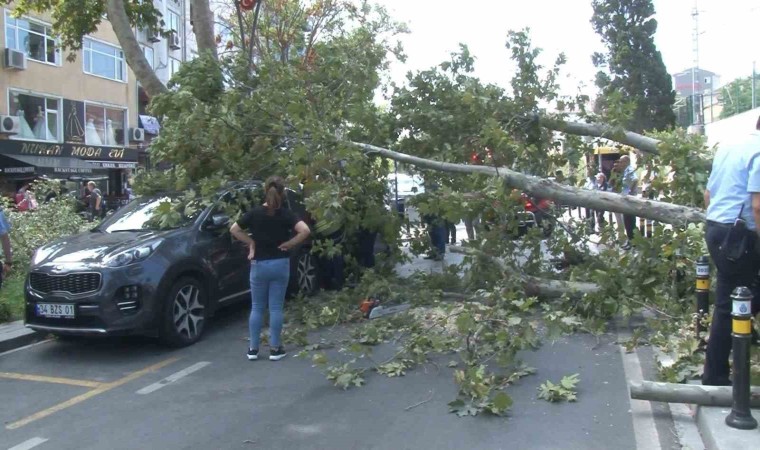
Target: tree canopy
635,87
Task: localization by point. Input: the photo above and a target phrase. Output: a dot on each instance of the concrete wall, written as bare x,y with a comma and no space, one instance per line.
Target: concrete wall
69,80
737,125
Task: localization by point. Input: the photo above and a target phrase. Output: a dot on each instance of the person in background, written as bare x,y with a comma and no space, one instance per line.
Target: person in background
590,185
451,232
25,200
271,226
601,185
437,229
94,201
732,195
5,239
615,185
629,186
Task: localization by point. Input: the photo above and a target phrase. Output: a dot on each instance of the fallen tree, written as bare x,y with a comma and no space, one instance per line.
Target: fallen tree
564,194
601,130
535,286
688,393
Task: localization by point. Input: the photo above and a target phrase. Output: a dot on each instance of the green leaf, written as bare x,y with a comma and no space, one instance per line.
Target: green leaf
502,401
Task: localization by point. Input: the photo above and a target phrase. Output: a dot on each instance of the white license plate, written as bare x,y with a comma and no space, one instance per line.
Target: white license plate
55,310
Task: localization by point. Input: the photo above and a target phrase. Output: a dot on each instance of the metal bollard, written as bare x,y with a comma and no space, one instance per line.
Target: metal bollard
703,296
741,415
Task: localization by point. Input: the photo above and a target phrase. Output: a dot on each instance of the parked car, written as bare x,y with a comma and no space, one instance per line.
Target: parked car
130,276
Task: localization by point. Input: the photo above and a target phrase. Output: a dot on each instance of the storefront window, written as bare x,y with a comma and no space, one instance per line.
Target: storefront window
31,37
105,126
104,60
38,116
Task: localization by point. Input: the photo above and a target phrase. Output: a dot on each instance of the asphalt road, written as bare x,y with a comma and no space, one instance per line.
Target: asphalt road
135,394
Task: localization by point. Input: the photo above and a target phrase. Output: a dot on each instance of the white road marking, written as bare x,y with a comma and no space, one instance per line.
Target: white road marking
26,347
644,427
31,443
173,377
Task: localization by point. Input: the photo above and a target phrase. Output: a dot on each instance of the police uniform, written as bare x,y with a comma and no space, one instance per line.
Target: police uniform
735,176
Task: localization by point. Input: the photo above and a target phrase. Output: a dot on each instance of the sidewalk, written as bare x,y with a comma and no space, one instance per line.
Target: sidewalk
716,435
14,335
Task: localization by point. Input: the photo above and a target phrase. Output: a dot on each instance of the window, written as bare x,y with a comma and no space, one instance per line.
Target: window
173,24
104,60
33,38
105,125
38,116
149,54
174,64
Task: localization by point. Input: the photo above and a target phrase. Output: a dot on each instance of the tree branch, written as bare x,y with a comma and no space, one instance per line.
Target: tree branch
117,15
600,130
566,195
534,286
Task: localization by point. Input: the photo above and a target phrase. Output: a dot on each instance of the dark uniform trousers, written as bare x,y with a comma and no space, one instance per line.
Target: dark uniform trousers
731,274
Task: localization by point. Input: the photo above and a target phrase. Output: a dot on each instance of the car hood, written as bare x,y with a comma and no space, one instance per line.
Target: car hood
93,246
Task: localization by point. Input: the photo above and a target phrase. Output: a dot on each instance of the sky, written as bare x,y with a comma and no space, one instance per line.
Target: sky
728,41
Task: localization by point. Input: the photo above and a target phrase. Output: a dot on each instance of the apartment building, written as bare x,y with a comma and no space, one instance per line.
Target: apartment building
83,119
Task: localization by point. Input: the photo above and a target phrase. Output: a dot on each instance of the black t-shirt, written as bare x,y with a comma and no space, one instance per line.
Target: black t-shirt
269,232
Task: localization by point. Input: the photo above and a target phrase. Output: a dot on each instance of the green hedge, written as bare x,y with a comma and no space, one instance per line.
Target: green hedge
29,231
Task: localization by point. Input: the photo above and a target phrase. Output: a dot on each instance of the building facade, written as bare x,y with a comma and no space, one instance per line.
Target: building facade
84,119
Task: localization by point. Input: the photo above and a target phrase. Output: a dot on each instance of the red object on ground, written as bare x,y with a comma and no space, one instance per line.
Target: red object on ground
247,4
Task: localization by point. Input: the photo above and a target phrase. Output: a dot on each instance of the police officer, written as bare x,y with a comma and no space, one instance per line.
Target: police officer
733,194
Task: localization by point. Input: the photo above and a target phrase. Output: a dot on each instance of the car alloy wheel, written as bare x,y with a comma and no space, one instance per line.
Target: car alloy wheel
188,312
306,273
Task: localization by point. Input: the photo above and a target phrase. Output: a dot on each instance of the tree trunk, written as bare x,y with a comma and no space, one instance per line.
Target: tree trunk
534,286
132,51
566,195
688,393
601,130
203,22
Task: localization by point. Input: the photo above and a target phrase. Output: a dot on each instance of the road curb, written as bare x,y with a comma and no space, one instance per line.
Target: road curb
14,335
716,435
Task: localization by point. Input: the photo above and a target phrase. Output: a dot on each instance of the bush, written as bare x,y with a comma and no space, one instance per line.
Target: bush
29,231
33,229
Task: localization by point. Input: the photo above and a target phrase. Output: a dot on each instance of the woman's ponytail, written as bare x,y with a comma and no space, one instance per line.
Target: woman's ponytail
274,193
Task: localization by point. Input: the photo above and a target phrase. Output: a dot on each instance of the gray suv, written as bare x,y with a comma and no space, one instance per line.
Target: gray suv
131,275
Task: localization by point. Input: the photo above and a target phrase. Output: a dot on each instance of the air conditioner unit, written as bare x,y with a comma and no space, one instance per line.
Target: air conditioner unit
9,125
174,41
152,35
15,59
136,134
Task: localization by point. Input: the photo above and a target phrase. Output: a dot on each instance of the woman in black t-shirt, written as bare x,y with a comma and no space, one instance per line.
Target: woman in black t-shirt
271,227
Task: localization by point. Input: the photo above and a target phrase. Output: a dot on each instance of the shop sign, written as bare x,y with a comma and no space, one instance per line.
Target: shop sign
17,147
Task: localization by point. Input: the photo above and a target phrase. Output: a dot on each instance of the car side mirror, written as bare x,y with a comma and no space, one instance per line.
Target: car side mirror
218,221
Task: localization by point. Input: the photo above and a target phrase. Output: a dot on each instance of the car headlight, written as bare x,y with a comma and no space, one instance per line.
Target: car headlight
132,255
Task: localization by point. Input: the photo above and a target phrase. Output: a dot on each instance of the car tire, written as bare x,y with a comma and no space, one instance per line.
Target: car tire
306,274
184,314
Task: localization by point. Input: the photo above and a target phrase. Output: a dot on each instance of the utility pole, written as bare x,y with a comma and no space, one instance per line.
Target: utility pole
696,103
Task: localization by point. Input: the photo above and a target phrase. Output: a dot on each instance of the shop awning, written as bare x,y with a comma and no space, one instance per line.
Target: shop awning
54,164
13,167
112,164
150,124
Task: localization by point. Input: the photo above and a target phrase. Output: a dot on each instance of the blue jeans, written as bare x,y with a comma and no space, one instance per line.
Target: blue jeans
269,281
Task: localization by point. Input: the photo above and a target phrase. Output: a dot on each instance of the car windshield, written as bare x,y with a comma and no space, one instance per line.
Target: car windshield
146,214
